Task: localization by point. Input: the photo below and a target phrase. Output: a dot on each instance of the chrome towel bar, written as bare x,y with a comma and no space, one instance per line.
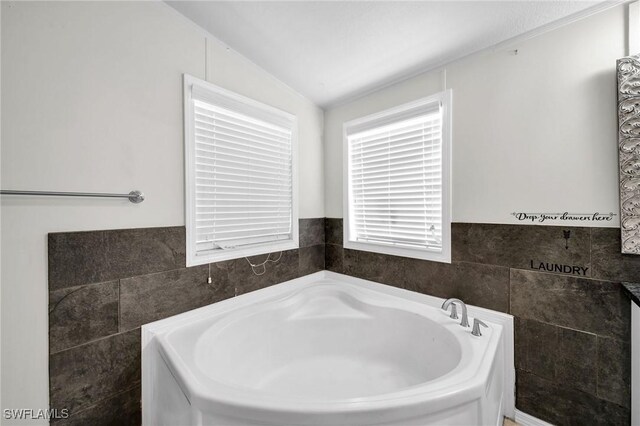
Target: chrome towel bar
135,197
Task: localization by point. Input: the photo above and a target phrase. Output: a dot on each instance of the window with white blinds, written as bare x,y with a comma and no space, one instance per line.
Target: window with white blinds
398,181
240,175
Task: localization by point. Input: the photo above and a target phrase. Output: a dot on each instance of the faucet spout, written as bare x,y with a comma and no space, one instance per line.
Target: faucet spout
454,310
453,302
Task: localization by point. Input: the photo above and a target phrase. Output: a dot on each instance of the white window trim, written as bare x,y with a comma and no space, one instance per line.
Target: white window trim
193,258
445,99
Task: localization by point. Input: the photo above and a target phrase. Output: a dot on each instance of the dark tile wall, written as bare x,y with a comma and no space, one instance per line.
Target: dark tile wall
103,285
572,325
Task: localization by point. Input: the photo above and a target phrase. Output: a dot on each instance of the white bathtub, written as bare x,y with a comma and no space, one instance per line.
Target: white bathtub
327,349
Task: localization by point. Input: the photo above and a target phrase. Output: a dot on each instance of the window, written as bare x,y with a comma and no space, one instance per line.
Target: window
397,181
240,166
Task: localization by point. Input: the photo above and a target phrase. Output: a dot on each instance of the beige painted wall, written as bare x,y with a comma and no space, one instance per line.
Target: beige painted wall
92,101
532,132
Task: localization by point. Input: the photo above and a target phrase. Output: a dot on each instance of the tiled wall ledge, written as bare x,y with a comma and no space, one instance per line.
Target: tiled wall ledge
572,331
103,285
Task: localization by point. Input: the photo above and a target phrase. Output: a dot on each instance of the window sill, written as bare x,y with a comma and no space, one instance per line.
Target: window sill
203,259
443,257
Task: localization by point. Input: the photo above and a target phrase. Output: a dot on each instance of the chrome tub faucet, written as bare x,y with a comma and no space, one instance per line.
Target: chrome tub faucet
453,302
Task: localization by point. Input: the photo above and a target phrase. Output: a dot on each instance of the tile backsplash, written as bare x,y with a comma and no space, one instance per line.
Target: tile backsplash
572,328
103,285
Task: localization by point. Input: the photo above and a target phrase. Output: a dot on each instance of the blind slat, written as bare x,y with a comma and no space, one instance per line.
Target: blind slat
241,169
245,149
222,156
253,182
232,173
391,162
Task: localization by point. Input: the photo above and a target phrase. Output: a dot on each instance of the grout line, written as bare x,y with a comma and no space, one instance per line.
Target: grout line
164,272
137,383
599,336
597,366
107,281
579,277
119,306
119,333
509,288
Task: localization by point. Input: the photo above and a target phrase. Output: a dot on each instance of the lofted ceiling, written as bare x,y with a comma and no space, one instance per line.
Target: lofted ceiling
332,51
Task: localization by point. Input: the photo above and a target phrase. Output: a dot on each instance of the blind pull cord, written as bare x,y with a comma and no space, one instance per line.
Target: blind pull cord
263,265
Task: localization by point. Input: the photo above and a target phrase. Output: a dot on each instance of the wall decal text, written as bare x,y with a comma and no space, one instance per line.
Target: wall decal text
566,235
557,267
566,216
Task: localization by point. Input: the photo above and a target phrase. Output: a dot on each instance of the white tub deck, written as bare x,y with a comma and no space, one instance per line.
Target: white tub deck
327,349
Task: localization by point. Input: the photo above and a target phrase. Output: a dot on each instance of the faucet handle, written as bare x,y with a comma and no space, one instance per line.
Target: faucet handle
476,327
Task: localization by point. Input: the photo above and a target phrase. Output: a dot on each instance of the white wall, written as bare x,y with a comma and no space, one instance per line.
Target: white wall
92,101
532,132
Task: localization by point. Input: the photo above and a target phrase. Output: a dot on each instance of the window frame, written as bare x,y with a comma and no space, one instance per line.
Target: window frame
444,98
192,257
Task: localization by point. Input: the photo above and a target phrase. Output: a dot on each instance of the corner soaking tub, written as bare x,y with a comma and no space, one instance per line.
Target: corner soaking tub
326,349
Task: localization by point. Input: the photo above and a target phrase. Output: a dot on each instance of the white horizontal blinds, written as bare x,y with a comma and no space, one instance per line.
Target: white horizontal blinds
396,181
243,174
